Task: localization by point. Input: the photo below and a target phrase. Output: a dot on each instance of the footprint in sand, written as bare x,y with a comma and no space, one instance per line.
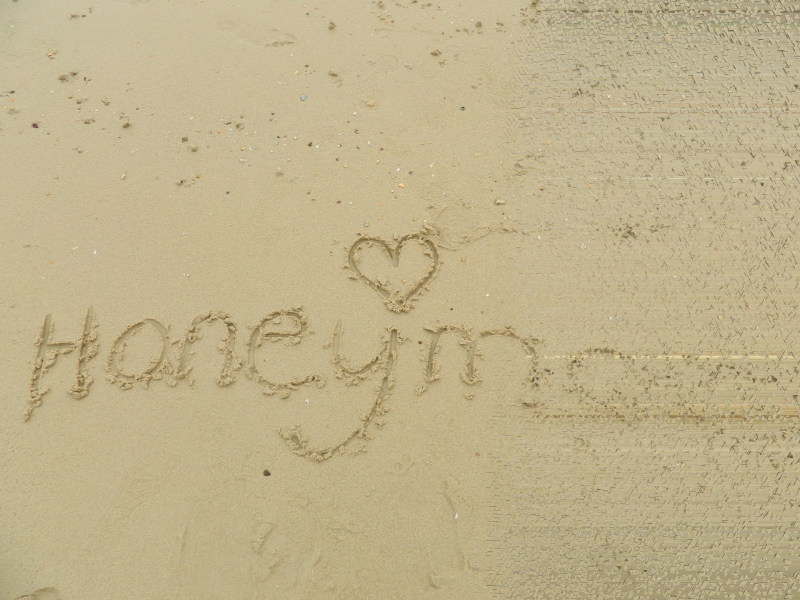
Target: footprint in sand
274,38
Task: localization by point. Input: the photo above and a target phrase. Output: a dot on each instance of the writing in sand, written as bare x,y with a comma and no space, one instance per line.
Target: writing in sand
172,358
172,362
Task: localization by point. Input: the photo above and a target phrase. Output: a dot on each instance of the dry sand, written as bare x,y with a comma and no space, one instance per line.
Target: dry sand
398,300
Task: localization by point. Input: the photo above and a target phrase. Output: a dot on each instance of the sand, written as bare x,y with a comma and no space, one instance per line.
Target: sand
398,300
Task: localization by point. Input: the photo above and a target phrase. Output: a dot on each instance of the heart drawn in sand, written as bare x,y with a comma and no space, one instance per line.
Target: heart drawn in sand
396,300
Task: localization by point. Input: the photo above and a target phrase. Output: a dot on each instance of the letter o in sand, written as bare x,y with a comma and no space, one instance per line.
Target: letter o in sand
157,367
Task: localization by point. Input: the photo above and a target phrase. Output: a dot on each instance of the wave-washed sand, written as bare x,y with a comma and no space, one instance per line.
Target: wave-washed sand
398,300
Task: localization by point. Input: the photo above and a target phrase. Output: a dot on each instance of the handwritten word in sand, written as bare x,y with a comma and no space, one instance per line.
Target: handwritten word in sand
172,362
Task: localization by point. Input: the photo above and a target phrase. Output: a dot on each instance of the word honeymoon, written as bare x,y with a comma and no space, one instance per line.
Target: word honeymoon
287,326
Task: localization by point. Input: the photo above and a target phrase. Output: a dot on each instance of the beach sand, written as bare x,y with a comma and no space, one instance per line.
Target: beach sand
398,300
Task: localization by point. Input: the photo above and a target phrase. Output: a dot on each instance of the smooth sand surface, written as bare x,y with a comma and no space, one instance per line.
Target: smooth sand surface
388,300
